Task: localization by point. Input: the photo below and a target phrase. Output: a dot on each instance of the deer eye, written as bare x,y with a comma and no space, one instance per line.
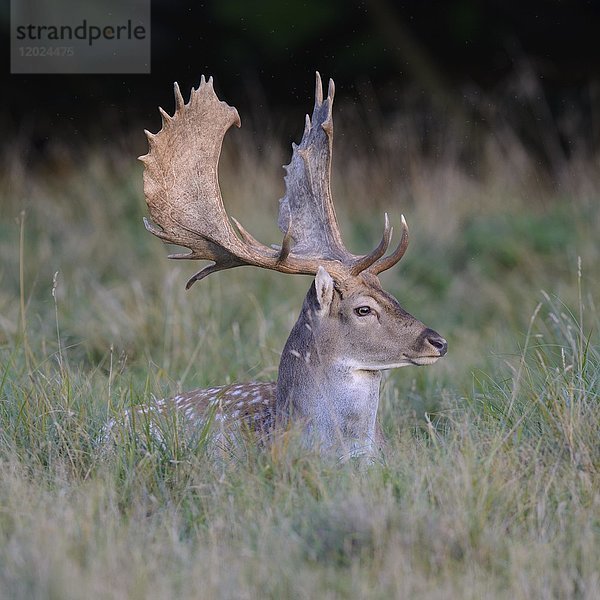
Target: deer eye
363,311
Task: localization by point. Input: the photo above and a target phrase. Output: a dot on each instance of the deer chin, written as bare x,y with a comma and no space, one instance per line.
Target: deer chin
406,361
421,361
374,368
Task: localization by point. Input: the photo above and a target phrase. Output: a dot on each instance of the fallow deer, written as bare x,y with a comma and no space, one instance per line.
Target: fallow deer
349,329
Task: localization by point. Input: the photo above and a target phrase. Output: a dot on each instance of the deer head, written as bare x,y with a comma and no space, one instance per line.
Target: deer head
369,327
350,329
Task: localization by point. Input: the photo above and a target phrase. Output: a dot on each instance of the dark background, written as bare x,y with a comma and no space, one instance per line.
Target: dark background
263,56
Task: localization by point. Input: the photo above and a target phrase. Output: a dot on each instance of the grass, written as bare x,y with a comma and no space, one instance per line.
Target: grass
490,485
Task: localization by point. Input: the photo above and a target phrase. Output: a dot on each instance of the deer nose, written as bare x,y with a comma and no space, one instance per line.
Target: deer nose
436,340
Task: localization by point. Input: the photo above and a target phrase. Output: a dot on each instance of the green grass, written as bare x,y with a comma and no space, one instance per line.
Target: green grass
490,486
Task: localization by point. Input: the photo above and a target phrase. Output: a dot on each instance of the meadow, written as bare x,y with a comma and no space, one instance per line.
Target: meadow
490,485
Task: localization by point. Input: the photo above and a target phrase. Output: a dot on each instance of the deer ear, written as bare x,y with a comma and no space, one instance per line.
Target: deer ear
324,289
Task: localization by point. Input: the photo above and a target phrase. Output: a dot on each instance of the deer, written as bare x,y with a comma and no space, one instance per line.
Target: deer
349,331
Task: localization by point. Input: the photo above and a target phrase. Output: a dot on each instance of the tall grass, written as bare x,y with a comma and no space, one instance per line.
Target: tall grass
490,483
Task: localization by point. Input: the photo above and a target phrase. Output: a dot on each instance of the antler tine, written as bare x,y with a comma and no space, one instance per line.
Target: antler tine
245,235
383,264
179,101
366,261
286,246
318,89
206,271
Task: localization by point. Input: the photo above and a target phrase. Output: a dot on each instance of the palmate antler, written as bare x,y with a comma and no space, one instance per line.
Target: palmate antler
183,196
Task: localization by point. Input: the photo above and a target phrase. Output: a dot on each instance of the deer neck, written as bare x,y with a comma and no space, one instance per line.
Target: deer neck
336,402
